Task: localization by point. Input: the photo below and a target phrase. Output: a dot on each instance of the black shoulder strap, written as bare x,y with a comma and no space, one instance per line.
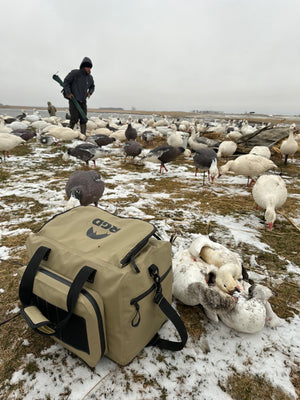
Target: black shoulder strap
170,313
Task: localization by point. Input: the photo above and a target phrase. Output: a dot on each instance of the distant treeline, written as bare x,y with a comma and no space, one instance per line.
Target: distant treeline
110,108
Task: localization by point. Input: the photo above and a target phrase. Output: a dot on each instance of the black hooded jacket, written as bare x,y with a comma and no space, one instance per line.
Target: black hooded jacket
79,83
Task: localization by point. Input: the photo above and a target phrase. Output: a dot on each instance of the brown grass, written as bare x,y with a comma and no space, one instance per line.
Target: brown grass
190,195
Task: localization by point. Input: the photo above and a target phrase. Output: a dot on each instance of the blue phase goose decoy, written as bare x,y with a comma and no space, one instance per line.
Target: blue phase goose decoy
164,154
148,135
199,142
25,134
130,133
85,186
132,149
100,139
206,160
85,152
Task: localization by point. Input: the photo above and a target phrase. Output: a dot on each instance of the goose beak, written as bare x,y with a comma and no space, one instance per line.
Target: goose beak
236,289
270,226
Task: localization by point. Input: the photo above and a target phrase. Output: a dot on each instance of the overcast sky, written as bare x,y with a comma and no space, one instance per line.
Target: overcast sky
225,55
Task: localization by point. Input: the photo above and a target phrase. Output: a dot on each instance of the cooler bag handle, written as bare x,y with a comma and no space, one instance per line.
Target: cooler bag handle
32,315
26,285
170,313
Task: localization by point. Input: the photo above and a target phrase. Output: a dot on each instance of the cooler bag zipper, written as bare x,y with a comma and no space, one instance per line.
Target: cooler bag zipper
130,256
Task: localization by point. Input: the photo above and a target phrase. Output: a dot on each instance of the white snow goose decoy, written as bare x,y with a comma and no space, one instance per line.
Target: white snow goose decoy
8,142
269,193
174,137
226,148
61,133
249,165
262,151
289,146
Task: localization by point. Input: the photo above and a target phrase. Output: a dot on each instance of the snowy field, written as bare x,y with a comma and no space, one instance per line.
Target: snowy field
175,202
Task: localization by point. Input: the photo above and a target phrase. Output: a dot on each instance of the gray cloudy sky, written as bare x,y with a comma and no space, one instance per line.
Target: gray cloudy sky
226,55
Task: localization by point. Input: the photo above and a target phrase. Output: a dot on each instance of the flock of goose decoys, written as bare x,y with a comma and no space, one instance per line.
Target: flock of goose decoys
181,137
206,273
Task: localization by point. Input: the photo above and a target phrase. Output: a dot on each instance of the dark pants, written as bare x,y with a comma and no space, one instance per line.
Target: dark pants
75,115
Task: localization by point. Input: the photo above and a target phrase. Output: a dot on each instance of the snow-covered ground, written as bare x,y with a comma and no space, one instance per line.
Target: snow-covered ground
191,373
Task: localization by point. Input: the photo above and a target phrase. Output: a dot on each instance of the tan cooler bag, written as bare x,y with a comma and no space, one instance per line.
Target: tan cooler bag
100,285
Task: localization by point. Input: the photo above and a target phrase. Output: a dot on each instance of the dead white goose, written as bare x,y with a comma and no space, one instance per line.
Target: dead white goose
270,193
252,311
193,270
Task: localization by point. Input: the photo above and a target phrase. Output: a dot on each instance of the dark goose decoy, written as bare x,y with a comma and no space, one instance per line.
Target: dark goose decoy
85,186
206,160
132,149
148,135
100,139
25,134
164,154
85,152
130,133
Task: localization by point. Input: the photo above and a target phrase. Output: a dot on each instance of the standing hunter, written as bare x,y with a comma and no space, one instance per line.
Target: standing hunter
80,84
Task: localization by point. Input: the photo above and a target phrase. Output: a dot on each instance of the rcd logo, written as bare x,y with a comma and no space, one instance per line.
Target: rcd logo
109,228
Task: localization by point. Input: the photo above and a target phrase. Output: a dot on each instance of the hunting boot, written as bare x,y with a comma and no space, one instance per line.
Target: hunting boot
83,129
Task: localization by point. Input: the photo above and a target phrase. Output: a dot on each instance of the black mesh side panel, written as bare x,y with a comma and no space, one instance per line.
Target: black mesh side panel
74,333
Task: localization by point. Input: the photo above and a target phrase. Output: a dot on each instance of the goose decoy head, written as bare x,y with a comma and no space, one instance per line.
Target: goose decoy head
77,193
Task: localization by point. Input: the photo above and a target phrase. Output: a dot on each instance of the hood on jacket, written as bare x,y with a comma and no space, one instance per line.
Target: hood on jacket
86,62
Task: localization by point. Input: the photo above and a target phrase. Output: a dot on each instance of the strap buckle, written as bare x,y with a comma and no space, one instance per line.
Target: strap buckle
154,273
